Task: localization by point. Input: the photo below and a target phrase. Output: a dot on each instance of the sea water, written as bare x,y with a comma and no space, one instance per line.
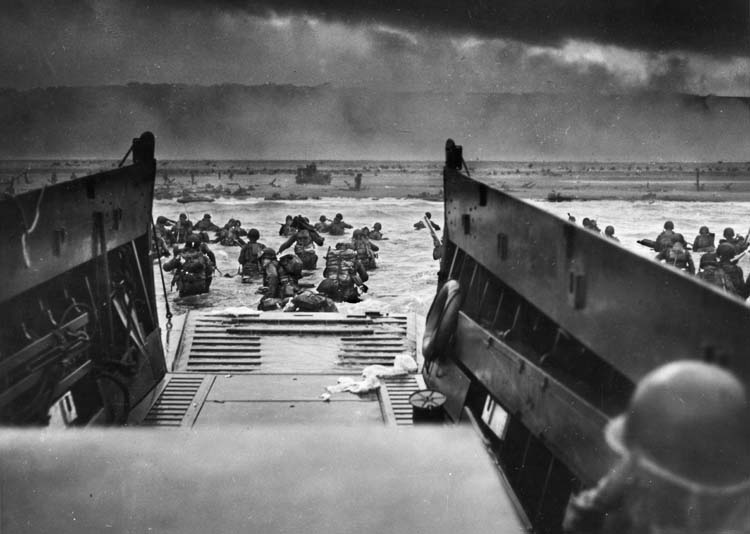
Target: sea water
406,277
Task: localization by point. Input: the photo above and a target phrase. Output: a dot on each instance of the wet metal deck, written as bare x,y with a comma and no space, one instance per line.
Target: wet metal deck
260,368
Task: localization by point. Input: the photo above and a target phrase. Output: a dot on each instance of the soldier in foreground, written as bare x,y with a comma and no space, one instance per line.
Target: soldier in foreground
192,268
684,445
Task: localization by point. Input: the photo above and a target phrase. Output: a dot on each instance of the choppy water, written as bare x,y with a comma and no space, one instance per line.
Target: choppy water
406,277
404,280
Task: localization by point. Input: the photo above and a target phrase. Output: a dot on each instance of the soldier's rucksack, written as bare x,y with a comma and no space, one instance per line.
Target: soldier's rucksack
313,302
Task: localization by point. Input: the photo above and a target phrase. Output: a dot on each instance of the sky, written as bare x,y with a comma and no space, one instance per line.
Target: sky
603,46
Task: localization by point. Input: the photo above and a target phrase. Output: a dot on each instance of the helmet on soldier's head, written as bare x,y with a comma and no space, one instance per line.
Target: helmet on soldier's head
377,226
725,251
709,258
322,218
669,225
183,216
729,233
356,233
161,219
268,253
192,240
687,422
292,264
339,216
609,230
253,234
206,215
703,230
428,215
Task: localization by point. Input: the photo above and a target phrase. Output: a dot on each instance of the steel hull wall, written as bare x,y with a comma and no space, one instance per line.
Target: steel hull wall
631,311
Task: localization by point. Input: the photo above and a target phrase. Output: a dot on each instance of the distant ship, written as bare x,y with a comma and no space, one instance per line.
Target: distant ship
311,175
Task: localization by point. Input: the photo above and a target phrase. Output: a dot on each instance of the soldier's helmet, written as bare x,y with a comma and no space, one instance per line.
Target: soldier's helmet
292,264
377,226
268,253
703,230
206,215
356,234
183,216
322,218
729,233
192,241
725,251
253,233
669,225
709,258
161,219
609,230
339,216
687,423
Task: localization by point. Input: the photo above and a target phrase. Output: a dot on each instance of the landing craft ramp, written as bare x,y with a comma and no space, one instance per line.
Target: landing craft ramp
256,368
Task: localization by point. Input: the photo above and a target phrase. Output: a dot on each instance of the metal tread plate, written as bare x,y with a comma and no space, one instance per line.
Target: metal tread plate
394,398
179,400
274,342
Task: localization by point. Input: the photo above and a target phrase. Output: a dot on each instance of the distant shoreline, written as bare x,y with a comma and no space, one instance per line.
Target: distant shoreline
580,181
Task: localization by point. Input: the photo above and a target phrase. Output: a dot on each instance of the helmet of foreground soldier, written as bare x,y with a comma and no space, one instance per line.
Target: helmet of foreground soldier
192,241
729,233
669,225
687,423
253,233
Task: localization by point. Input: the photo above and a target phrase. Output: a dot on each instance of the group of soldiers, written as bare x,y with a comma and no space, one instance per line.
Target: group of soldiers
345,271
168,232
590,224
718,263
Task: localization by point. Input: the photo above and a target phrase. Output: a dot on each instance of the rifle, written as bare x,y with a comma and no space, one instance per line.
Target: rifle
435,239
437,251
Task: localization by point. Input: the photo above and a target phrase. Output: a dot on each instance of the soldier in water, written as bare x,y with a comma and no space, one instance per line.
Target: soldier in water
249,259
192,268
304,241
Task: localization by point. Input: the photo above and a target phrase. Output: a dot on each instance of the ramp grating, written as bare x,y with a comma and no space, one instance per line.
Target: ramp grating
394,396
178,402
291,342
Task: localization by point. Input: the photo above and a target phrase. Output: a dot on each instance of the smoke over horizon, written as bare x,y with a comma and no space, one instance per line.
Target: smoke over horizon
314,123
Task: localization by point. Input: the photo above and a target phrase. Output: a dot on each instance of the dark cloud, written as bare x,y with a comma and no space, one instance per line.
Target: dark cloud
721,27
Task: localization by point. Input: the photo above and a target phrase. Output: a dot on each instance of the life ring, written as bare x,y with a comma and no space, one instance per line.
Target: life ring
441,320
